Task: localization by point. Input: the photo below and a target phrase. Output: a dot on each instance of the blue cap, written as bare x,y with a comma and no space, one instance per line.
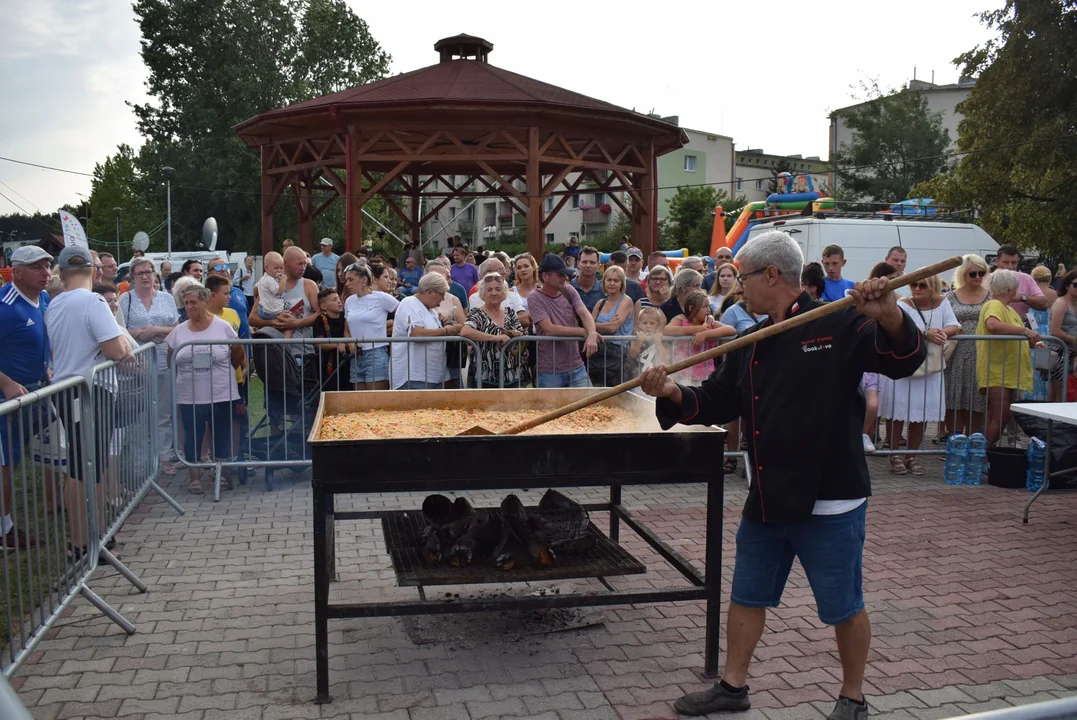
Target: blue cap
554,263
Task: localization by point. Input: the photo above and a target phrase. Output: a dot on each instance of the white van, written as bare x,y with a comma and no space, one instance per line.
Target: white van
866,241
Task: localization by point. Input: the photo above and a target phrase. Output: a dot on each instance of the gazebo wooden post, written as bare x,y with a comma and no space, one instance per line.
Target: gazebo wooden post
413,211
304,210
644,214
353,184
535,243
268,201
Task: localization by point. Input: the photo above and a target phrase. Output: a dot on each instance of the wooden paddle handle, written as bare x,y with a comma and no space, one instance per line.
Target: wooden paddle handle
743,341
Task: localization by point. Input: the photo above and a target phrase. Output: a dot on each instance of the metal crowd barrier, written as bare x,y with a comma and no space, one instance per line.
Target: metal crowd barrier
270,431
920,404
92,429
1062,709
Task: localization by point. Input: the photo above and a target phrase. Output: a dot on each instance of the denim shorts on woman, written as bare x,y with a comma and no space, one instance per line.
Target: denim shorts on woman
829,547
371,366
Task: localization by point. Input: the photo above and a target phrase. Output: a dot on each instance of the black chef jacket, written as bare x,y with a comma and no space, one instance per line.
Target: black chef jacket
801,409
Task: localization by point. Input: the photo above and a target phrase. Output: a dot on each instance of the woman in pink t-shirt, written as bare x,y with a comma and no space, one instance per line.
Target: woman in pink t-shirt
205,381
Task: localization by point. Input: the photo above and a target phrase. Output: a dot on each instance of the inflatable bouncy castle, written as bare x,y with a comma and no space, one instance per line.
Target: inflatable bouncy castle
795,193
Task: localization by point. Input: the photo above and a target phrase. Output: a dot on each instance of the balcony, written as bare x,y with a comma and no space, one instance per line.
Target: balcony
595,216
465,226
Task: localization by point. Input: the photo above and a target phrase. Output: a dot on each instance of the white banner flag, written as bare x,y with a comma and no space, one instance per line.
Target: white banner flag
73,232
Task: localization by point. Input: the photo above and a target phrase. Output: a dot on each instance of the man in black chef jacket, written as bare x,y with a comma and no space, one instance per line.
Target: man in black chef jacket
797,396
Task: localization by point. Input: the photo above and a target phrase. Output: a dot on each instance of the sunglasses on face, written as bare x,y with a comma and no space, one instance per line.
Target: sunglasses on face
920,286
977,273
218,268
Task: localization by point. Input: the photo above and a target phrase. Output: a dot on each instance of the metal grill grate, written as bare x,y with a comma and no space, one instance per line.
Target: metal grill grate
402,532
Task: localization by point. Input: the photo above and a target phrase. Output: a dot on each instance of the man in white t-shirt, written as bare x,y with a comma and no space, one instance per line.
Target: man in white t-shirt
82,332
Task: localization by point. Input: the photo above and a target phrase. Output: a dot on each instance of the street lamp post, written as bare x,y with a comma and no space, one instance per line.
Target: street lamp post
167,170
117,211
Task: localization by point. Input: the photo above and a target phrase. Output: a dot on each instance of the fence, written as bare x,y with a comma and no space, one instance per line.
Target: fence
268,426
74,469
950,401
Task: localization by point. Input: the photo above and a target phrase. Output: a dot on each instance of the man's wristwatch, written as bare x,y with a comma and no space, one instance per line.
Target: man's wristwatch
1024,298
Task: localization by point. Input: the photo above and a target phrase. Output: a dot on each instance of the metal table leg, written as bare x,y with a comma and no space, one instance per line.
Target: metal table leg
1046,470
615,519
713,569
321,592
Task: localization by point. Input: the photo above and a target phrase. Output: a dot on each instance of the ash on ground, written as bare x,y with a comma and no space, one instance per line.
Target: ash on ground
504,629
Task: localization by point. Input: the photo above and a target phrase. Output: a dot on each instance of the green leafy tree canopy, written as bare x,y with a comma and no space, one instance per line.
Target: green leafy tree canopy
897,142
1019,130
690,220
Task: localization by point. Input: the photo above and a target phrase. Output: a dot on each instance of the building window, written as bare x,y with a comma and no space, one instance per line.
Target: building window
549,238
549,204
470,214
600,199
758,184
689,163
740,183
575,201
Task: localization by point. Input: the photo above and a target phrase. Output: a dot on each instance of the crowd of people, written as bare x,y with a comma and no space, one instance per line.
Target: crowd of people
412,322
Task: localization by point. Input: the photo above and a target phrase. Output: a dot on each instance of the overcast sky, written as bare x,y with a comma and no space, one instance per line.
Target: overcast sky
765,74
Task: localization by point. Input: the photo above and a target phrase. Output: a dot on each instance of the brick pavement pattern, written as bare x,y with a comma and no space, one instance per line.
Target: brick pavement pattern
971,610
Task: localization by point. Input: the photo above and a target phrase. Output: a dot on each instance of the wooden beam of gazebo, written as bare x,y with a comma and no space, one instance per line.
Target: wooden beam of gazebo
519,138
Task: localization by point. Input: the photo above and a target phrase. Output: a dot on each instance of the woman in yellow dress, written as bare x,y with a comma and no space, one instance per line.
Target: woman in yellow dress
1002,366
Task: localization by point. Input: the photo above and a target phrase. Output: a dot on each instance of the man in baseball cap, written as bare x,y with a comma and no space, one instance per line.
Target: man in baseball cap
554,308
635,264
326,263
24,353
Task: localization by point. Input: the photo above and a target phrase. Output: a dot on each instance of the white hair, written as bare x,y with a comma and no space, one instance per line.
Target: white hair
693,259
180,285
488,265
776,248
435,282
1003,281
133,267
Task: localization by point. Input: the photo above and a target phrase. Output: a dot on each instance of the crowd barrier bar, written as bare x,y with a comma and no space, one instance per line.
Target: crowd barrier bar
131,469
52,430
292,408
891,391
1062,709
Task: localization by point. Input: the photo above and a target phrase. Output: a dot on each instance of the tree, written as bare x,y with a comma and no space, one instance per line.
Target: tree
214,65
118,183
690,220
1020,163
897,142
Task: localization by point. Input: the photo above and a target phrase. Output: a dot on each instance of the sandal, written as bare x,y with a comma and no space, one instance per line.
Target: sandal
729,466
897,465
914,467
194,482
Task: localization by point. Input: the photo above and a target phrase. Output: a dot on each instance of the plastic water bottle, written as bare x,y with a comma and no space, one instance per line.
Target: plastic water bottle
957,453
974,466
1037,455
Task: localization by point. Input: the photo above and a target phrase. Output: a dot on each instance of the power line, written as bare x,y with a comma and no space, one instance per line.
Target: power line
732,182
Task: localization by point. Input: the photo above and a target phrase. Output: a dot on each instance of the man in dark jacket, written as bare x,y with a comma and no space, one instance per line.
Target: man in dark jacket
797,395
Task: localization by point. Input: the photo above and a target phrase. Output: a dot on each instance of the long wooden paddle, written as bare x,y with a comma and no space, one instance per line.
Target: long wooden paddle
738,343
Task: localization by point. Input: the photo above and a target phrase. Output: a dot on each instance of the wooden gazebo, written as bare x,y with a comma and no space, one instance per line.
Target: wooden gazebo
506,135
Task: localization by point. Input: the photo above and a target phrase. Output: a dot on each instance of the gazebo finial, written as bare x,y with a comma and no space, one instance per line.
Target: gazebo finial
463,47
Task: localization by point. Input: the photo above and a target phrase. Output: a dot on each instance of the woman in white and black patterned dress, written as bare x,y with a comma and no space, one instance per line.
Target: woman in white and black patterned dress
491,325
965,405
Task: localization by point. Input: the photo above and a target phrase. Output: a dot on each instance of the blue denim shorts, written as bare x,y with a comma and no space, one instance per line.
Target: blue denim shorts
829,547
371,366
574,379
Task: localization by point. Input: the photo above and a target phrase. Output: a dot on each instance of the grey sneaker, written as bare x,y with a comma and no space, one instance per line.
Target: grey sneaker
716,699
846,709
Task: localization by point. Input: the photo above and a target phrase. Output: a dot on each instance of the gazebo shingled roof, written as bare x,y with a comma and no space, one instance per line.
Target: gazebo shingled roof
460,116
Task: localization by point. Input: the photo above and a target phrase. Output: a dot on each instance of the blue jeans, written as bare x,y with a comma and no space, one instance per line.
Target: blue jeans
831,550
420,385
575,379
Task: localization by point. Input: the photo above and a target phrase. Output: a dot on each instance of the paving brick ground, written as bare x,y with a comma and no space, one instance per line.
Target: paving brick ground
971,610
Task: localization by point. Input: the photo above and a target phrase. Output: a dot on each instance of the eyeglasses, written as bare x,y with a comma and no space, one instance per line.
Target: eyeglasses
145,273
658,280
977,273
920,286
742,276
218,268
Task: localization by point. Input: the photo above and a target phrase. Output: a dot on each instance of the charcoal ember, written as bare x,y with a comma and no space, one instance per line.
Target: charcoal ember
447,521
522,529
566,523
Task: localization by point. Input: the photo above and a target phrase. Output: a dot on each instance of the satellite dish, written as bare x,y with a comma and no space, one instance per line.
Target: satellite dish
141,241
209,234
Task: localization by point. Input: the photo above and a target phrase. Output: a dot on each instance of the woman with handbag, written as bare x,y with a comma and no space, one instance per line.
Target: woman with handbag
919,399
614,315
964,403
